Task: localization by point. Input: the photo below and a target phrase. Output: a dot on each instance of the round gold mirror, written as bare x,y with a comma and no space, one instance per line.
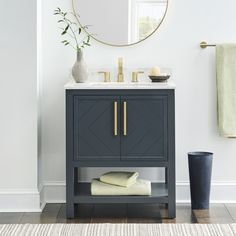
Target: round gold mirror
120,22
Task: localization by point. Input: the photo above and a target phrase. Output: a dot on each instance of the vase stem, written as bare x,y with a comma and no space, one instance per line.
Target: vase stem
79,55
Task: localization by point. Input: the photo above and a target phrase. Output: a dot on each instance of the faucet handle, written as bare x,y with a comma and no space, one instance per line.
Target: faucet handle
135,75
106,75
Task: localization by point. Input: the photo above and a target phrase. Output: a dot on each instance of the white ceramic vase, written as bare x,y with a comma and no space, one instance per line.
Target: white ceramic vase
80,70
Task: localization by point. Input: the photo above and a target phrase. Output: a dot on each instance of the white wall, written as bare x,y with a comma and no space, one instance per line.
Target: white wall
18,102
175,45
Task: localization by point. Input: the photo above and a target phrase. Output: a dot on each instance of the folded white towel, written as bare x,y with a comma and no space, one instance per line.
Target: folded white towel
141,187
120,178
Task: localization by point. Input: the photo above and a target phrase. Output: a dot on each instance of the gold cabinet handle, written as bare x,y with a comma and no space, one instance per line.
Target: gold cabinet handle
125,118
115,118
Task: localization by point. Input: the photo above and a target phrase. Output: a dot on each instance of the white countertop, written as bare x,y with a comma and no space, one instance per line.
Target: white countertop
116,85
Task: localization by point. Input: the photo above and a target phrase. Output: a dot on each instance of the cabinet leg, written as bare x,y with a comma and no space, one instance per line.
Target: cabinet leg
70,206
171,211
70,211
171,191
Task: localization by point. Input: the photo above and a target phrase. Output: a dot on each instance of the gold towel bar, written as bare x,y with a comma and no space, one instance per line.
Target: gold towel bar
205,44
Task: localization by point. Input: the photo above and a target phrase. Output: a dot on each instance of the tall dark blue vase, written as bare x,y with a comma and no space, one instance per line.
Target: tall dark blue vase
200,168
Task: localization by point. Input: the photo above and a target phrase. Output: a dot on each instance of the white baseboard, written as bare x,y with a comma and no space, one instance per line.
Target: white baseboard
221,192
32,200
20,200
53,192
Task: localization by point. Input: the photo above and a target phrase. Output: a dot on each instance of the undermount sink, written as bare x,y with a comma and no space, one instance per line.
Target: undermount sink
118,83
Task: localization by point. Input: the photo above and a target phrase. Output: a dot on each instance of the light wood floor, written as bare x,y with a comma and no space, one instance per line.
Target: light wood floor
125,213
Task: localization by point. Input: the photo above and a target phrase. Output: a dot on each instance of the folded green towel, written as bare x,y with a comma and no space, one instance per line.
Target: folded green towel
120,178
141,187
226,89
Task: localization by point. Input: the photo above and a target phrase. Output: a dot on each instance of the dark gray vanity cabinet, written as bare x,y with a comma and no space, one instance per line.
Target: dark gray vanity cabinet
93,128
146,135
120,128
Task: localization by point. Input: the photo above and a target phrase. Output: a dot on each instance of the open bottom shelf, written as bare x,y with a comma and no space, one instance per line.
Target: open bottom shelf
83,195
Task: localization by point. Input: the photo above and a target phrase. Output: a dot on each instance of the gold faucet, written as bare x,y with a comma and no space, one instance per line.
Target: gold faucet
106,75
120,70
135,75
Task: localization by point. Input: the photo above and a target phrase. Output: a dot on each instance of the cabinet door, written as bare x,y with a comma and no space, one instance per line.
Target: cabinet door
96,127
145,121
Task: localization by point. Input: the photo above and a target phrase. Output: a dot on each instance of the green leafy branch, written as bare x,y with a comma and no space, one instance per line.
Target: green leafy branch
70,28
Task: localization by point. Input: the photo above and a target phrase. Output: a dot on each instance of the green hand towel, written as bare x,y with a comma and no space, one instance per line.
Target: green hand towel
120,178
141,187
226,89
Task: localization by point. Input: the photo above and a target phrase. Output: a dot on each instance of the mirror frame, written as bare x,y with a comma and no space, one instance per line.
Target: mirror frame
74,4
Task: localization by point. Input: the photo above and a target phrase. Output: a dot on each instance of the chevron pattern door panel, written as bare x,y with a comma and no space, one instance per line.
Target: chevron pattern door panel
146,124
94,134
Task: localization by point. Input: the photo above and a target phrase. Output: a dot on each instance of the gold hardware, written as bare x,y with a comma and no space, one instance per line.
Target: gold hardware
135,75
205,44
125,118
106,75
120,70
115,118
